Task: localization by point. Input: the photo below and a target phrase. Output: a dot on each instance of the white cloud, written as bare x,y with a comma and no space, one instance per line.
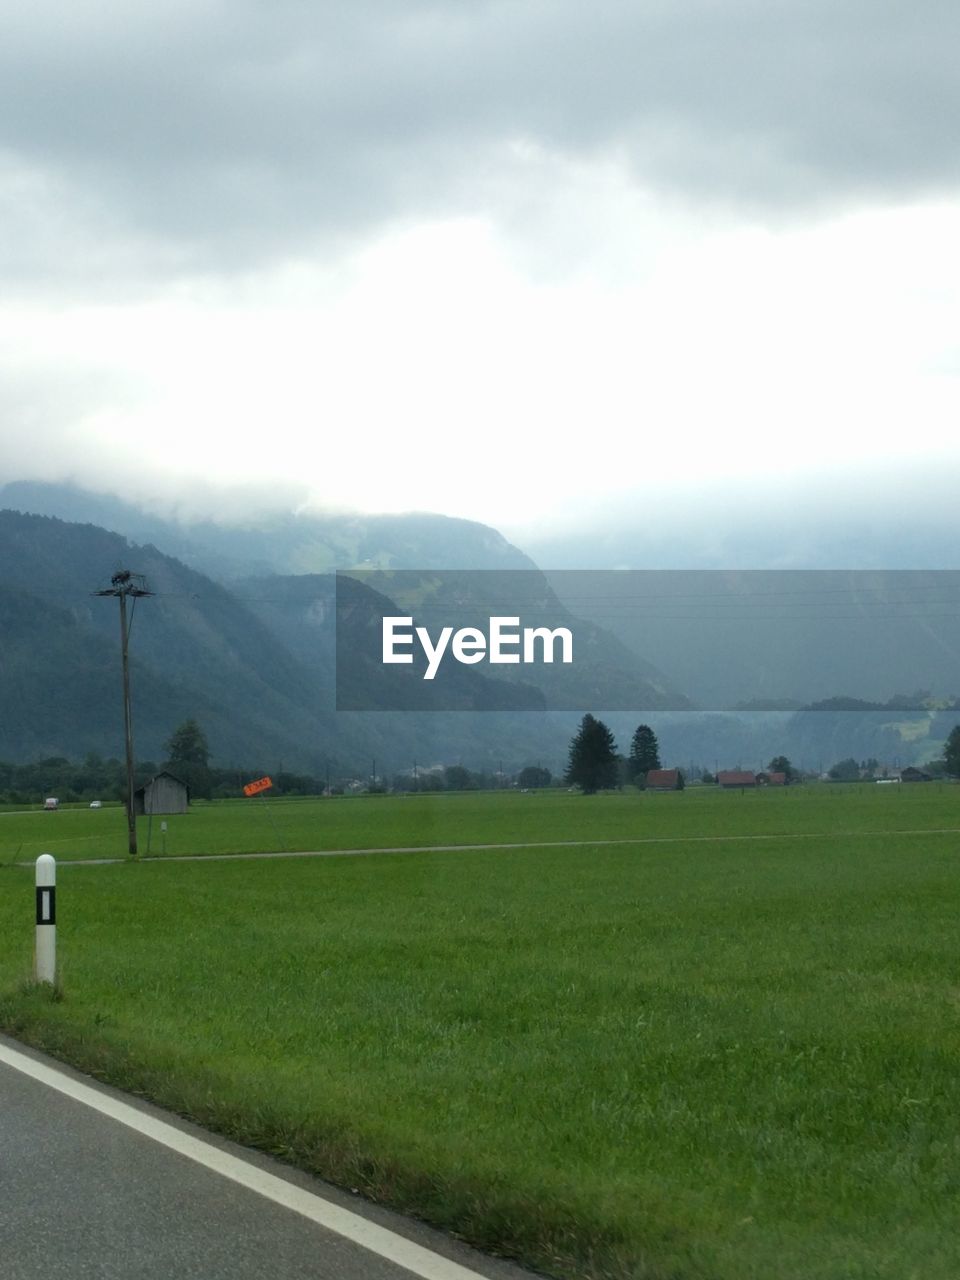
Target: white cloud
503,261
429,370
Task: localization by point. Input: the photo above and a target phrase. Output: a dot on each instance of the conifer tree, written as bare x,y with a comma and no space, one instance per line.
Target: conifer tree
644,753
593,757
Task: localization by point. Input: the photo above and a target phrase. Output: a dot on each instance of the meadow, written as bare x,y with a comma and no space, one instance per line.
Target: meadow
730,1058
462,818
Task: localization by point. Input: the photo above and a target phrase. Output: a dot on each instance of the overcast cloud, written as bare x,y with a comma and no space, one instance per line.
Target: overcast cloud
428,224
244,129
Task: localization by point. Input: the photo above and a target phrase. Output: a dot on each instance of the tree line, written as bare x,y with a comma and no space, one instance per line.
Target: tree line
594,764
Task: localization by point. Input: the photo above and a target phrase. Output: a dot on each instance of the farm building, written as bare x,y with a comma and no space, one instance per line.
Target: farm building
162,794
663,780
736,778
771,779
913,774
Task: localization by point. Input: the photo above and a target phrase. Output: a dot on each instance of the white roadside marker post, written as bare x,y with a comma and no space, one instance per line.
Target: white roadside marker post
45,965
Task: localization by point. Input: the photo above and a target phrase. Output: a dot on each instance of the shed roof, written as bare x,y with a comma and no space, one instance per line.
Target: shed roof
667,778
164,773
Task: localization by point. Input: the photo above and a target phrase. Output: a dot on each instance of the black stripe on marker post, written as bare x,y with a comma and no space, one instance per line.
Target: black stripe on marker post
46,904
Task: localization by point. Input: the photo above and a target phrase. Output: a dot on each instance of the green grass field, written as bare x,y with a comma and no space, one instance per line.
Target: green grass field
364,822
731,1059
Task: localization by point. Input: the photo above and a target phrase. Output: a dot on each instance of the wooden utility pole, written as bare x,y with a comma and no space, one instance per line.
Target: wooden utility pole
124,584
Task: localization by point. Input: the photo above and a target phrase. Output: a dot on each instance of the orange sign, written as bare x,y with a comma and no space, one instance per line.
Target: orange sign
261,784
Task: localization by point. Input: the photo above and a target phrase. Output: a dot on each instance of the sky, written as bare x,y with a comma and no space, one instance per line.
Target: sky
549,265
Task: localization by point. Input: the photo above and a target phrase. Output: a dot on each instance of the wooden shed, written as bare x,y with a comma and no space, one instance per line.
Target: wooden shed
162,794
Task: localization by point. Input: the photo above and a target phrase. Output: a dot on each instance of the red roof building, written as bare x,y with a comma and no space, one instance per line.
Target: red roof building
736,778
663,780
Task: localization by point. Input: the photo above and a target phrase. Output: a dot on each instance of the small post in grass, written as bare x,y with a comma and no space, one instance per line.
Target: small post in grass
45,961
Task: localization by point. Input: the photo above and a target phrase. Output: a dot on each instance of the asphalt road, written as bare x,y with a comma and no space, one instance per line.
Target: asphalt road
85,1194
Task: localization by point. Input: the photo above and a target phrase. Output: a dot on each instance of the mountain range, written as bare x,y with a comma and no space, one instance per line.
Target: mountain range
252,658
240,633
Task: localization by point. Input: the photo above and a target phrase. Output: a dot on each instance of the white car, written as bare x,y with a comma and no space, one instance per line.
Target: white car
96,804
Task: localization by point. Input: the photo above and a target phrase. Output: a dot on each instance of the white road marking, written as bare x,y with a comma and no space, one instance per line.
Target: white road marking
526,844
395,1248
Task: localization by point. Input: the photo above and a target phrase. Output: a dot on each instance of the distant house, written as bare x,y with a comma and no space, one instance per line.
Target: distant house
736,778
663,780
162,794
913,774
771,779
